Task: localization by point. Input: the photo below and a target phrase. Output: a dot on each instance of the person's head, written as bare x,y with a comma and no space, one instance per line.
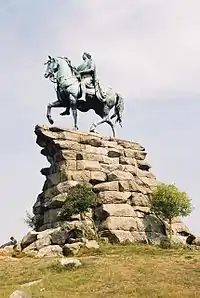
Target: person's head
12,238
86,56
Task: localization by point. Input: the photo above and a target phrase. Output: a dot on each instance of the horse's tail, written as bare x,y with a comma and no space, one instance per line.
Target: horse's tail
119,109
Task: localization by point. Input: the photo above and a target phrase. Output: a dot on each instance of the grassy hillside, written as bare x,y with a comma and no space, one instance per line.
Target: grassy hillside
115,271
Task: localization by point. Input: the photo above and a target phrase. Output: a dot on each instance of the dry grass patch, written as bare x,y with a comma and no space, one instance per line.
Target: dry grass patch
118,271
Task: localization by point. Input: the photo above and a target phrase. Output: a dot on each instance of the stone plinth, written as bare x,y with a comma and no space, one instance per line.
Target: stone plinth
116,169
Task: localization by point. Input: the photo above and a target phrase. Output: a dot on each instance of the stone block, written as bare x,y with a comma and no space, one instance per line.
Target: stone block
51,215
96,150
114,152
108,168
91,165
64,155
139,199
128,185
91,140
72,249
118,236
50,251
60,236
56,201
119,175
59,189
97,176
28,239
139,155
119,223
139,237
114,197
107,186
117,210
69,145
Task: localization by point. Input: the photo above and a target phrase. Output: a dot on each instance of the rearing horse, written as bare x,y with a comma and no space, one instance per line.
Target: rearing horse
60,71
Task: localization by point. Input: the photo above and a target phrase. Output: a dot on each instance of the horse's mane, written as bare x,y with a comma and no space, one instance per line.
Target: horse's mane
72,68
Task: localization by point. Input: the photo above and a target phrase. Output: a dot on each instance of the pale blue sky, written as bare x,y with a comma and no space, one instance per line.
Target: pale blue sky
148,50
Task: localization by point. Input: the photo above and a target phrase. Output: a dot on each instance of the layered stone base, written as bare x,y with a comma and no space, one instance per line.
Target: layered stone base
116,169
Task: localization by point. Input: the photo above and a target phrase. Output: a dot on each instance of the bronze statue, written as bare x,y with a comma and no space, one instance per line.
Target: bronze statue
79,89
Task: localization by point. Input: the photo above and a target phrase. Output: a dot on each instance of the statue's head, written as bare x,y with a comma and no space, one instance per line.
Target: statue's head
52,67
86,56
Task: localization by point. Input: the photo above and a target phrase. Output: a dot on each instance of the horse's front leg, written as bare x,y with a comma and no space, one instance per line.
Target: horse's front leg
55,104
94,125
73,104
104,120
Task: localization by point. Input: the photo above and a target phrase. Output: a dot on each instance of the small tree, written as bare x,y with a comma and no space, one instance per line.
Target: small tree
80,199
168,202
29,220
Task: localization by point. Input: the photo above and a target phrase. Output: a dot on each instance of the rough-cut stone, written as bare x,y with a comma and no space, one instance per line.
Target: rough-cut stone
108,168
134,186
114,197
139,237
59,189
51,215
118,236
60,237
96,150
120,223
196,241
114,152
91,244
116,210
88,165
135,154
119,175
50,251
128,185
19,294
56,201
64,155
107,186
32,247
139,199
97,176
180,228
190,239
117,170
70,262
72,249
28,239
45,241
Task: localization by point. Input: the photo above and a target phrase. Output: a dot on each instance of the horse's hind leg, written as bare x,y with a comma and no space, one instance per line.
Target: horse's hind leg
112,127
73,104
55,104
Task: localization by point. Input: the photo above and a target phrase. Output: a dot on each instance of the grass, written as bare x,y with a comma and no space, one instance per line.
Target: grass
114,271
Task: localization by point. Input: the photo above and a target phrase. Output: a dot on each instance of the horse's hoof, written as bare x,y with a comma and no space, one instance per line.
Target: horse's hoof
51,121
93,130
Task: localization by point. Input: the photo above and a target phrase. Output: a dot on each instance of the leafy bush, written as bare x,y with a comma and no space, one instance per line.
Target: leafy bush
32,221
79,200
168,202
29,220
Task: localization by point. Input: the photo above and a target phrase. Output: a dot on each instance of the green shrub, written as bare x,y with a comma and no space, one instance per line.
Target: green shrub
79,200
168,202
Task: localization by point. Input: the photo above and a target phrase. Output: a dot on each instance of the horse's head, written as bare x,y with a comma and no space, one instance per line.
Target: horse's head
52,67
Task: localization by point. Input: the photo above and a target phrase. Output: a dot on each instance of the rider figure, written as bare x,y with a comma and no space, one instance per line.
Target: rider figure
87,73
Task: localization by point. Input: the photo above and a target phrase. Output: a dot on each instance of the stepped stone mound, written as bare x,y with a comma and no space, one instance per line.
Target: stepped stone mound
117,170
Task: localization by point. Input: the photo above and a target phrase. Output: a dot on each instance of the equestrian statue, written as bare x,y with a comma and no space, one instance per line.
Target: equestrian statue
78,88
